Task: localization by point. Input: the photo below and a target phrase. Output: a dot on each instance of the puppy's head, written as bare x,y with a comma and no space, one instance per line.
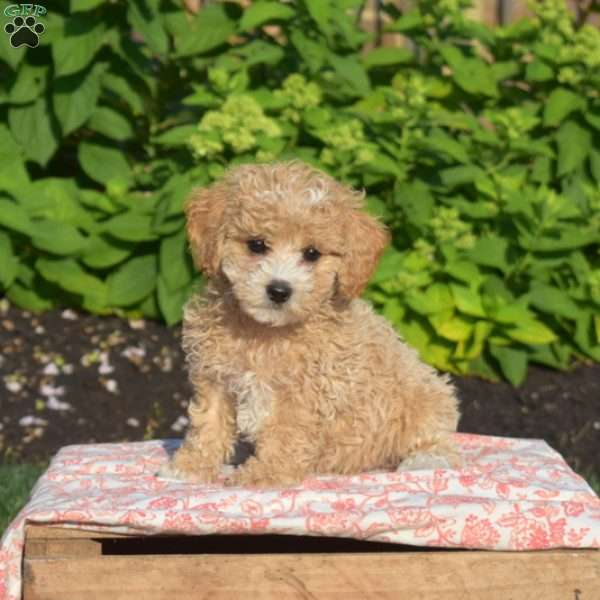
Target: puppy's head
286,238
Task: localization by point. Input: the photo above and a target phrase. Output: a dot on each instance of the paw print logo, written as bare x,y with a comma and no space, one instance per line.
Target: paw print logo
24,32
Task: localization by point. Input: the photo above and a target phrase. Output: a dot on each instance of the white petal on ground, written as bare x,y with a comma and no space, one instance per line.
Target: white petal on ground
69,315
50,390
67,369
105,367
51,369
29,420
137,324
133,422
112,386
180,424
13,386
53,403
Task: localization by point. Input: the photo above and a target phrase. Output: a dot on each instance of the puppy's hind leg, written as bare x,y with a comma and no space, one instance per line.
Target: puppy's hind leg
210,440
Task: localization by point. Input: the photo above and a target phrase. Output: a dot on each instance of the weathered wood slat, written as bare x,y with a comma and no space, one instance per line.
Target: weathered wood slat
561,575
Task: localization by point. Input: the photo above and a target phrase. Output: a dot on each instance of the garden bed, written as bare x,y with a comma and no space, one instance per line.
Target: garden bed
71,378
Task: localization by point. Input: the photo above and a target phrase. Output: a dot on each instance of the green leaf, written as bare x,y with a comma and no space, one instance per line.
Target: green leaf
323,13
464,271
131,227
552,300
111,124
389,266
75,98
471,74
574,144
349,70
439,141
259,13
312,53
29,298
175,265
80,5
10,263
147,21
454,176
11,56
585,336
13,175
57,238
416,202
70,276
436,298
467,300
409,21
14,217
513,363
102,163
75,49
133,281
103,252
123,89
451,327
531,331
31,82
538,71
259,52
209,28
491,251
32,128
560,104
567,239
171,302
177,136
386,56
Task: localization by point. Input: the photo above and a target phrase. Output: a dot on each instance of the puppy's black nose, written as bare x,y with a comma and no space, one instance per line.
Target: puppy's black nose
279,291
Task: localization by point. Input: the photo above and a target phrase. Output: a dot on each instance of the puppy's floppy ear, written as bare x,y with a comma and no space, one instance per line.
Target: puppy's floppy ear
204,211
366,241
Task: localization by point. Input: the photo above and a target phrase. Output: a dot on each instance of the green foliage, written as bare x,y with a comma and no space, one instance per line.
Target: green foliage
479,151
17,481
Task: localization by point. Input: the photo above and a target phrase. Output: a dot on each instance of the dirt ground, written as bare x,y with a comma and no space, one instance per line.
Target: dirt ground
68,378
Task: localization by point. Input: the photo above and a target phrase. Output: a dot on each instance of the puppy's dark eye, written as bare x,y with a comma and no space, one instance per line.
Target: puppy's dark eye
311,254
257,246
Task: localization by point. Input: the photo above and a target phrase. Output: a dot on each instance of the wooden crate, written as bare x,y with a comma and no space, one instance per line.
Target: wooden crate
66,564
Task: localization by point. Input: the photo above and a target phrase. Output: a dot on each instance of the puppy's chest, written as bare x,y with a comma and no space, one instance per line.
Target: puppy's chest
253,397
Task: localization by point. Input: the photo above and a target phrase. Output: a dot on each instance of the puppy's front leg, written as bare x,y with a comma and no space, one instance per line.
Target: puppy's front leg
285,454
210,440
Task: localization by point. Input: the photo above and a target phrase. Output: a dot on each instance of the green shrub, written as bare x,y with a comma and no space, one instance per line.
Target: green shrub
478,150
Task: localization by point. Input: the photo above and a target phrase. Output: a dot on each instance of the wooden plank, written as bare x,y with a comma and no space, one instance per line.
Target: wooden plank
46,532
563,575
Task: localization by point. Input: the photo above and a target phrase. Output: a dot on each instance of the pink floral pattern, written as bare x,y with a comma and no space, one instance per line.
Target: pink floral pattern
511,494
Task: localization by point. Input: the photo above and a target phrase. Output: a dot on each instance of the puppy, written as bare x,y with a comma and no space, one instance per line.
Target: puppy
283,353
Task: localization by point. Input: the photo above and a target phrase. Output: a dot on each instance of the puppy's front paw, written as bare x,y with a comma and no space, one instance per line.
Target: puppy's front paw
199,475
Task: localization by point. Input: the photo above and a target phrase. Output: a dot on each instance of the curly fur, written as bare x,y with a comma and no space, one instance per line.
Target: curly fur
320,383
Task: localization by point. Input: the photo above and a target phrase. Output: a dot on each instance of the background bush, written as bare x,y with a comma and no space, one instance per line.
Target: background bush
478,147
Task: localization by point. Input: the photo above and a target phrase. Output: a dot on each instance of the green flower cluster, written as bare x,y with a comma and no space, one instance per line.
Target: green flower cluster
299,95
579,49
437,11
554,16
512,123
447,226
237,126
346,144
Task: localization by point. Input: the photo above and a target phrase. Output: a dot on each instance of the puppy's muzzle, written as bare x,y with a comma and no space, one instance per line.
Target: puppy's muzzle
279,291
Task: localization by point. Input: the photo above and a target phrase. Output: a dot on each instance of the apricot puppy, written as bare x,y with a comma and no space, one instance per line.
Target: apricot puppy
280,349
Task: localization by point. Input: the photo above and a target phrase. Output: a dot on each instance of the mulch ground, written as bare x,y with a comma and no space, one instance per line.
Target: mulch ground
69,378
